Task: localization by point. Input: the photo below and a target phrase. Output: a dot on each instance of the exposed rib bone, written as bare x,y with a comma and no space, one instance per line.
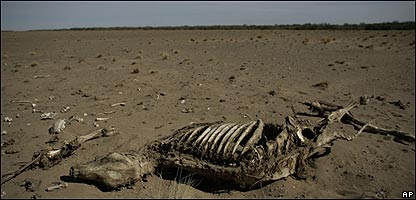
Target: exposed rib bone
189,134
256,136
234,135
209,135
176,136
209,129
211,138
185,139
226,136
232,127
242,136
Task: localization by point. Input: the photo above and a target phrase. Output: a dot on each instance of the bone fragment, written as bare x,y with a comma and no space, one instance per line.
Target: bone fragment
51,158
57,186
41,76
50,115
118,104
101,119
57,127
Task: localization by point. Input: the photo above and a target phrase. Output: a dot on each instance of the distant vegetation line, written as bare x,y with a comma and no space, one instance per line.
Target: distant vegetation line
323,26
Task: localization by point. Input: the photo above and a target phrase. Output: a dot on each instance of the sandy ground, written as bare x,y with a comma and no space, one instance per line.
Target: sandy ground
229,75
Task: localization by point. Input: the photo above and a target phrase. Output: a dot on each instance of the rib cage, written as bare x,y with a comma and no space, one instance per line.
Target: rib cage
225,142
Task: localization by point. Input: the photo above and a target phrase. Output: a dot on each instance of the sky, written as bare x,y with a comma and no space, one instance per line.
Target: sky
32,15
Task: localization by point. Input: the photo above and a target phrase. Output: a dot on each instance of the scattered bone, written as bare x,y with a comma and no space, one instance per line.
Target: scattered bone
41,76
187,110
36,111
50,115
76,118
4,133
118,104
85,114
101,119
3,194
95,124
106,113
65,109
57,127
33,105
322,108
8,119
56,186
49,158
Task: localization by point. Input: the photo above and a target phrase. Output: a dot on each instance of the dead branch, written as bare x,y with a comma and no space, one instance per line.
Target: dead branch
49,158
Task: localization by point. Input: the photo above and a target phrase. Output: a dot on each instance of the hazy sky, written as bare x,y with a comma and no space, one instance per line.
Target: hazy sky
51,15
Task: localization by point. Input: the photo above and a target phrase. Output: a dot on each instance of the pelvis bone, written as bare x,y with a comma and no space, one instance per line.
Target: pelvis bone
244,153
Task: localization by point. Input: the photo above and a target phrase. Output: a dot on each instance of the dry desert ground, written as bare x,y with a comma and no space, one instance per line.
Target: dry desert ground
171,78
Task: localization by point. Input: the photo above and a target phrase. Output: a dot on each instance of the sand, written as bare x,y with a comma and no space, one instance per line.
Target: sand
171,78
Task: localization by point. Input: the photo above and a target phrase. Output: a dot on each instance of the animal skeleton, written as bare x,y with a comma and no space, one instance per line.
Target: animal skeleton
245,153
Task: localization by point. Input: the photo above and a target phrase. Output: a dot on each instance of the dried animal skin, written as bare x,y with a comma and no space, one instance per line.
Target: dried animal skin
244,141
244,153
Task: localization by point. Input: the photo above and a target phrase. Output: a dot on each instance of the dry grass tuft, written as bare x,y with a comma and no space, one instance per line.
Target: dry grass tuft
175,189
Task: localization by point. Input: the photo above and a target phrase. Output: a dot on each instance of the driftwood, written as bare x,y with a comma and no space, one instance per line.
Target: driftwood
244,153
49,158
